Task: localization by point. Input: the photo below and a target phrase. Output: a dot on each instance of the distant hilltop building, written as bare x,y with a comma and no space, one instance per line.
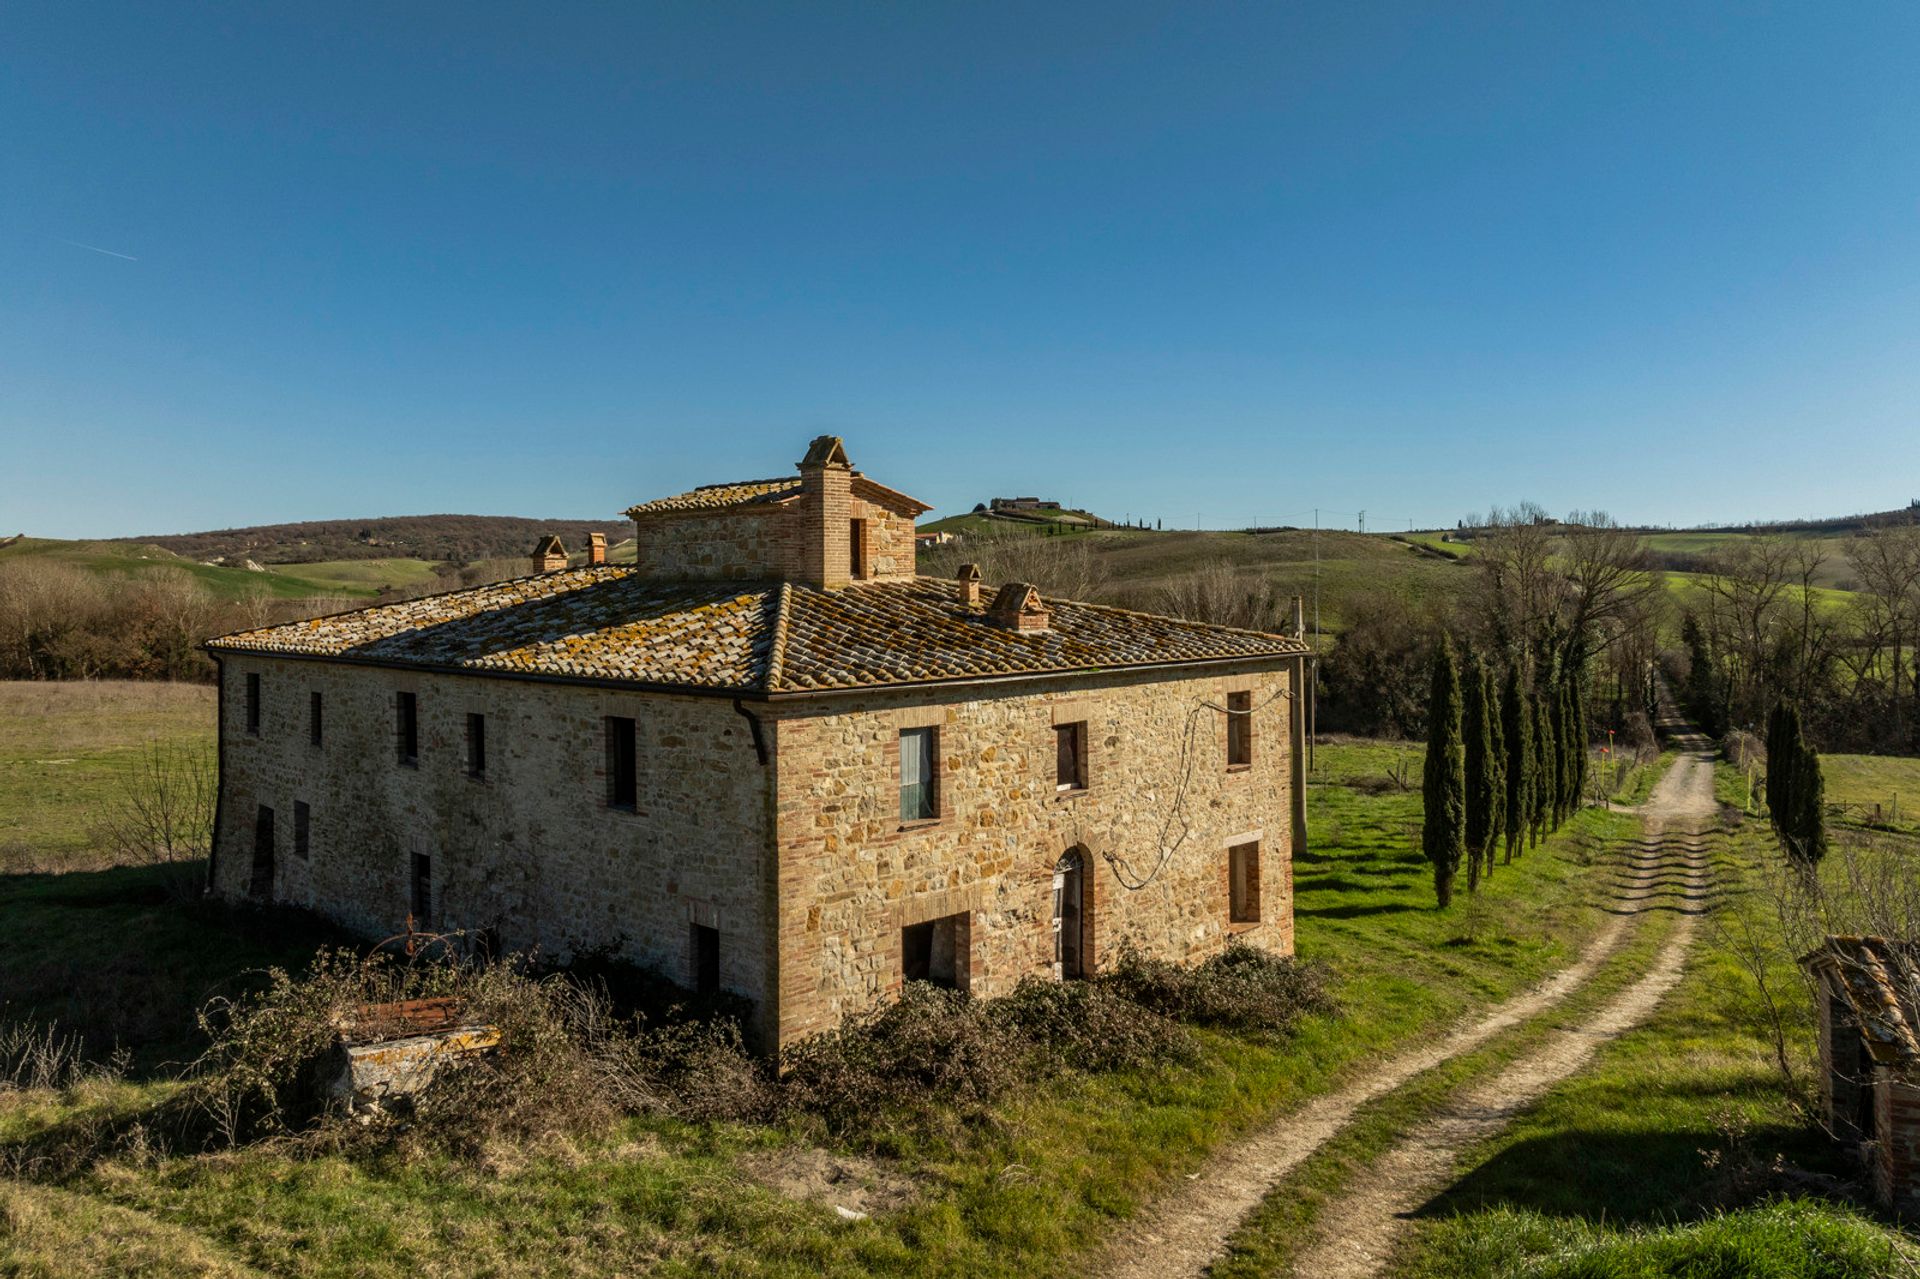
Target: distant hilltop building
1023,504
768,758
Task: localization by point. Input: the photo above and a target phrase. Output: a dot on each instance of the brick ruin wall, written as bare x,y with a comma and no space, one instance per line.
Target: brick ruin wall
853,875
534,851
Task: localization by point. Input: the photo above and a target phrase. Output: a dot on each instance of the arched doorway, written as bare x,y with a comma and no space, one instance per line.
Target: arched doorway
1070,916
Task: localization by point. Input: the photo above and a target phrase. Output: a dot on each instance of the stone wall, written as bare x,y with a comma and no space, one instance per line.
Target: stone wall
701,546
853,874
534,850
804,539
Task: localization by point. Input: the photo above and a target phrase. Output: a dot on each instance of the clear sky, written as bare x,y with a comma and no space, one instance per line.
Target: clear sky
1194,262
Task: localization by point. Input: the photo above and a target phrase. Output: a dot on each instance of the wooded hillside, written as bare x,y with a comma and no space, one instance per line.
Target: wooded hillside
423,537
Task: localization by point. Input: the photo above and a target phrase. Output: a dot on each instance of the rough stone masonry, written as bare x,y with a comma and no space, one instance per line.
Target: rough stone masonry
697,762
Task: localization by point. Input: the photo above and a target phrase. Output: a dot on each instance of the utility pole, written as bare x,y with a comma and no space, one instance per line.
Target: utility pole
1313,696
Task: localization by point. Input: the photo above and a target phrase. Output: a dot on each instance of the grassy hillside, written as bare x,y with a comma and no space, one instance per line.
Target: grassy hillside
408,537
1348,564
131,559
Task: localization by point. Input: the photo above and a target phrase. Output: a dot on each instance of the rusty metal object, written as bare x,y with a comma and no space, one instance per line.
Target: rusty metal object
386,1054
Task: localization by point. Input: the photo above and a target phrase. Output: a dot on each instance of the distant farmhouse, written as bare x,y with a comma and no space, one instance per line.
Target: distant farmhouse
1022,504
768,758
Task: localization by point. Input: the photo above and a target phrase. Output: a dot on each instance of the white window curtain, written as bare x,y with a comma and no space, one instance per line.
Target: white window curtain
916,774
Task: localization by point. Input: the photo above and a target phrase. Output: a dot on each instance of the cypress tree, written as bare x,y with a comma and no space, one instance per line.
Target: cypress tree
1516,716
1577,744
1812,809
1569,753
1476,727
1546,766
1496,766
1779,761
1557,730
1444,779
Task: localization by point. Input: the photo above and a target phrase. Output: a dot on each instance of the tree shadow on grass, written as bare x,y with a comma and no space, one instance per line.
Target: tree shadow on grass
118,958
1355,911
1633,1177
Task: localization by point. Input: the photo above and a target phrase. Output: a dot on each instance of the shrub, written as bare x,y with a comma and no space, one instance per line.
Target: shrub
1240,988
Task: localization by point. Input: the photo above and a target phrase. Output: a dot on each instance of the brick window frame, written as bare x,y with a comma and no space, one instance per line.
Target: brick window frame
919,717
1243,880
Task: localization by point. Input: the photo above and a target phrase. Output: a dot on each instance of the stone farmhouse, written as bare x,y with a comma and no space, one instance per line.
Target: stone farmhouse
769,758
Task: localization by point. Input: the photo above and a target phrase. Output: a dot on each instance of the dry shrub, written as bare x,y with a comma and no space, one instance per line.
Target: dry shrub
573,1058
35,1056
930,1048
1240,988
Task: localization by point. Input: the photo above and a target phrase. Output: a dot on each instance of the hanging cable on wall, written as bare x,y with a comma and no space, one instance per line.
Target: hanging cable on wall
1122,868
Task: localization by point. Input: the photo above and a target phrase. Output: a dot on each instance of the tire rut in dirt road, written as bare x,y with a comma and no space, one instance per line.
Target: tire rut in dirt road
1182,1233
1357,1232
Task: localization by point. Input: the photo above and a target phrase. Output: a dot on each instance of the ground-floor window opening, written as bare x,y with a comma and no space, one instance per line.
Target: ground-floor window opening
936,952
1243,883
262,882
706,960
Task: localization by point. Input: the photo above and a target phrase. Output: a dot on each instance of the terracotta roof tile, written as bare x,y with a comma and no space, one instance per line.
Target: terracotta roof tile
606,623
720,497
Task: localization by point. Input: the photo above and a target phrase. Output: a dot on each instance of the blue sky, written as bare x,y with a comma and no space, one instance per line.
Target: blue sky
1195,262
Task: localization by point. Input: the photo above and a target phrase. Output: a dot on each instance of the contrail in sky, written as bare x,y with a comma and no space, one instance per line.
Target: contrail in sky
97,249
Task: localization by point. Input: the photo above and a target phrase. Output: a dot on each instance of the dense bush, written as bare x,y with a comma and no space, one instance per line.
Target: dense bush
1239,989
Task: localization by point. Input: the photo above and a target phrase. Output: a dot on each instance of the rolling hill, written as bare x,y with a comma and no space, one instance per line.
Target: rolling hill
399,537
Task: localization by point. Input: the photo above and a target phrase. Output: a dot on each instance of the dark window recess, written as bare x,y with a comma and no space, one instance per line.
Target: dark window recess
1070,757
1239,730
623,764
422,898
476,745
919,774
253,704
936,952
261,885
302,829
407,727
313,718
857,550
1243,883
706,960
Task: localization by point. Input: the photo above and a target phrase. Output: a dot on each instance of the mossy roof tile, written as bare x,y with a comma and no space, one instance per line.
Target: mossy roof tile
608,623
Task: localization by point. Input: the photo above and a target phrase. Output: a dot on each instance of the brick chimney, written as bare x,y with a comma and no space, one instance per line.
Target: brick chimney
826,487
1018,607
548,554
596,548
969,580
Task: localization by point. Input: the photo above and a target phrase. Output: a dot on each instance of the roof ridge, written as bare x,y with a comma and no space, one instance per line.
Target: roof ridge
777,650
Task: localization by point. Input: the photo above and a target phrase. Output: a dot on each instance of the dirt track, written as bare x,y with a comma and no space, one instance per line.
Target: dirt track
1183,1233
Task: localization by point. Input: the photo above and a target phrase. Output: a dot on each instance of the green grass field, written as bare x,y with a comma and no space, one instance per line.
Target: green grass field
66,749
1866,785
108,952
124,559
